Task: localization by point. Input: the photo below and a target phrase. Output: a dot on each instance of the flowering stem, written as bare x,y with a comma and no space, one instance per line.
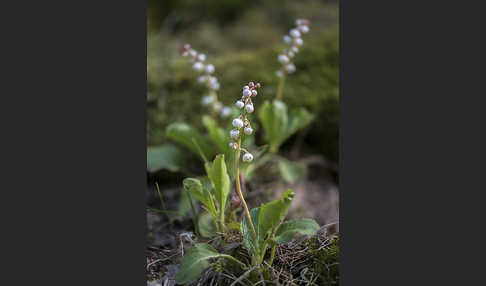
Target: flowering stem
281,84
240,194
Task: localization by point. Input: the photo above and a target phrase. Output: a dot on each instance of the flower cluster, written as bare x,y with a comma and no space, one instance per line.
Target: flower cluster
241,123
294,39
207,78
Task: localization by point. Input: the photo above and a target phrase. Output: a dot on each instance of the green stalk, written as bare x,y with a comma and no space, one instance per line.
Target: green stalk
240,194
272,255
280,87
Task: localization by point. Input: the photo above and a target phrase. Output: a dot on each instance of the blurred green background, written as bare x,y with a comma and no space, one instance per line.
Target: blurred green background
242,39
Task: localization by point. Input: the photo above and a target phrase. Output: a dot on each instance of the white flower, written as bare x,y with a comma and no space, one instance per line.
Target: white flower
198,66
218,106
254,92
193,53
249,108
239,104
233,145
202,79
298,22
237,123
295,33
290,68
246,92
210,68
226,111
283,59
278,73
291,54
234,134
206,100
201,57
213,83
248,130
247,157
294,49
299,41
304,29
287,39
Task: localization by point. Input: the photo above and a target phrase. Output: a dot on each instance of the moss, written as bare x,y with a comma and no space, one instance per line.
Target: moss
325,260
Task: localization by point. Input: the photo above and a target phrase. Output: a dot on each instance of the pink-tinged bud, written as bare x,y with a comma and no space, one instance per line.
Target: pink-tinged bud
254,93
251,84
187,47
258,85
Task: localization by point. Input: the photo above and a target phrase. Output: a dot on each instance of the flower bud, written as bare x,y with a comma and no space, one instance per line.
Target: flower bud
258,85
247,157
234,134
185,54
287,39
254,93
198,66
201,57
294,49
299,41
218,106
233,145
295,33
251,84
206,100
248,130
226,112
239,104
298,22
246,87
246,92
202,79
290,68
283,59
238,123
193,53
304,29
249,108
187,47
210,68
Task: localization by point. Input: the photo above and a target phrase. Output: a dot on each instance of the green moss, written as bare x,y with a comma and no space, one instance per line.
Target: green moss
325,261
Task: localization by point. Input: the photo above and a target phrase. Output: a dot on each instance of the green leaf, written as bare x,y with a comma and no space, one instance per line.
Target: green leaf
195,261
299,119
207,225
220,181
184,206
218,135
288,229
276,211
166,156
257,215
190,138
274,118
279,125
195,187
290,171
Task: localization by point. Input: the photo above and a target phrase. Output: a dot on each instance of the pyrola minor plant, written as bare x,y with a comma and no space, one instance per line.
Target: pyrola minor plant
198,63
294,40
242,125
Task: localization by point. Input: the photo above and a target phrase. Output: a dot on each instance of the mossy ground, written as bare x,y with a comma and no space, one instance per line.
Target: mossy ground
304,261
